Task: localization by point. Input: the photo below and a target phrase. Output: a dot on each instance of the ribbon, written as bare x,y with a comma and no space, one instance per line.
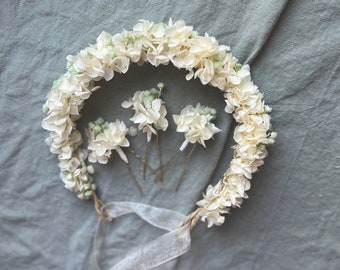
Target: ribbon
163,249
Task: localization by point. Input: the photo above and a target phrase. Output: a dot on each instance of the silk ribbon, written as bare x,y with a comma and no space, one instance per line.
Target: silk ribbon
163,249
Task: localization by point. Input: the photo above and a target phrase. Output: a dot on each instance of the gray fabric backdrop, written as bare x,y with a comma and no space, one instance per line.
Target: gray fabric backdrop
290,221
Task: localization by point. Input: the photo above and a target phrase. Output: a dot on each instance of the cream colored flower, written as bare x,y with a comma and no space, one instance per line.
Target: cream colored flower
241,72
204,47
195,123
206,72
211,212
84,62
212,218
177,34
77,176
149,111
105,137
127,45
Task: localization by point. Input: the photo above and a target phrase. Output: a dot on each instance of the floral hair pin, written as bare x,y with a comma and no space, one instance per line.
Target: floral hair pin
196,124
105,137
150,115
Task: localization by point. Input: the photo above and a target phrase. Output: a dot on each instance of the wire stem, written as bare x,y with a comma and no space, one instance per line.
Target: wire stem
146,159
134,178
159,158
143,161
185,168
165,165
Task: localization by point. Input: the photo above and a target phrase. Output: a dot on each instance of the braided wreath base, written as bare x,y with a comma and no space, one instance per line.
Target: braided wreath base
161,44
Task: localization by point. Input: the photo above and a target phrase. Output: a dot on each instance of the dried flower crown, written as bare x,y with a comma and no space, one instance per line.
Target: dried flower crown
158,44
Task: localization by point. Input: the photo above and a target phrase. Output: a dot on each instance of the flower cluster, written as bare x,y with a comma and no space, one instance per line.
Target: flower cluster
104,137
149,110
196,124
76,174
251,136
158,44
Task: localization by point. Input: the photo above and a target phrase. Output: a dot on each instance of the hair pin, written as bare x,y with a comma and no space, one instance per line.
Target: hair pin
196,124
149,114
105,137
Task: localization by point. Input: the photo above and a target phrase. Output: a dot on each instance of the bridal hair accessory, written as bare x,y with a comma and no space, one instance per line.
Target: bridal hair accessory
149,110
195,123
150,115
104,137
160,44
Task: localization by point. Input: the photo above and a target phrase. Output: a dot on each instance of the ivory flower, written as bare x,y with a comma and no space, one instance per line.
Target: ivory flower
76,175
195,123
105,137
149,111
211,214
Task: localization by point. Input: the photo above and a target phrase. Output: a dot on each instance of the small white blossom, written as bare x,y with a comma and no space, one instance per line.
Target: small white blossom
105,137
76,175
211,212
149,111
195,123
213,218
236,76
127,45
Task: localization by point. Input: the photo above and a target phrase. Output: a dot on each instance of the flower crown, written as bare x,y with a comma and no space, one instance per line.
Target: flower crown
160,44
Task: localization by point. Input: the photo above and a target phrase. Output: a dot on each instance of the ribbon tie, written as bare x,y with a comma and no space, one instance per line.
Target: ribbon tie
163,249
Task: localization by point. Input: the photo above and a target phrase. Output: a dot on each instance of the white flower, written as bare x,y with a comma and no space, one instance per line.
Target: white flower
240,183
76,175
105,137
85,62
149,110
213,218
211,212
195,123
128,45
210,193
236,76
206,72
177,34
244,96
242,166
203,47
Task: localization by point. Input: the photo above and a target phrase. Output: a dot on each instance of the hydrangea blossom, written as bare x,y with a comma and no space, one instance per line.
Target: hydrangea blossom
149,111
212,212
105,137
195,123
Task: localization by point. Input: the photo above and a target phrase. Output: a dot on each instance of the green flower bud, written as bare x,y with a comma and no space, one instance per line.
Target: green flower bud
267,109
100,121
87,186
217,64
93,187
238,66
88,193
160,85
154,92
97,129
45,108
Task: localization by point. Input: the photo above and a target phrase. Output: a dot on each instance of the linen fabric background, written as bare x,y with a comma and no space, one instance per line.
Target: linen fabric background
292,218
